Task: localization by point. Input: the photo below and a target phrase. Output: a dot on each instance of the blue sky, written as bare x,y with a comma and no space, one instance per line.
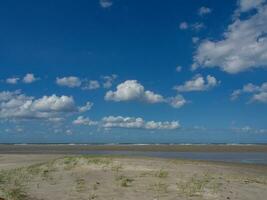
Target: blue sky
133,71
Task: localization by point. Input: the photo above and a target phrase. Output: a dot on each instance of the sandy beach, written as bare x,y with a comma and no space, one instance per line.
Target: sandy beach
57,176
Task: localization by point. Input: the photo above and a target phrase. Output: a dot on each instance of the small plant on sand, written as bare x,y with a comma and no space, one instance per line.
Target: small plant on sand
116,168
160,189
162,174
16,192
70,162
2,178
146,173
95,186
195,186
99,161
124,181
80,184
92,196
34,169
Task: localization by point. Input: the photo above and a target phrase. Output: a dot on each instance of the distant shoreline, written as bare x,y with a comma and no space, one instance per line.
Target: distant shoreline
80,148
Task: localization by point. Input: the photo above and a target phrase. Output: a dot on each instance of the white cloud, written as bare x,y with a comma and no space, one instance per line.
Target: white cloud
71,81
246,5
244,43
91,85
20,106
105,3
108,80
260,97
54,104
259,93
132,90
177,102
7,95
29,78
151,97
183,25
86,107
84,121
197,83
204,11
178,68
137,123
13,80
162,125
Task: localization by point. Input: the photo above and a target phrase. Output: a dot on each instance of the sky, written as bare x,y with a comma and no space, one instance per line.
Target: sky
133,71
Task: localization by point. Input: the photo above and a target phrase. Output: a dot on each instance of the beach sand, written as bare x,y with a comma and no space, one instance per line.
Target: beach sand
72,177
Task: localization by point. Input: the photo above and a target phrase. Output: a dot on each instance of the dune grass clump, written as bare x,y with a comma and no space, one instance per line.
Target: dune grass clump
159,189
16,192
11,184
124,181
80,184
116,168
195,186
162,174
71,162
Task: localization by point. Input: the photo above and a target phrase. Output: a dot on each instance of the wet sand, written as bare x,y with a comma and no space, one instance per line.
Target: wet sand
77,149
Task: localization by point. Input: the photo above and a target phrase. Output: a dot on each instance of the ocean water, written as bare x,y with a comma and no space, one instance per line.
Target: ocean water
244,157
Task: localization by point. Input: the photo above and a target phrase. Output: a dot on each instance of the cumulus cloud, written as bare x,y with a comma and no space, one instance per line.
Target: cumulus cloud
258,93
19,106
137,123
84,121
91,85
108,80
204,11
71,81
246,5
197,83
29,78
12,80
86,107
244,43
260,97
54,103
177,102
132,90
105,3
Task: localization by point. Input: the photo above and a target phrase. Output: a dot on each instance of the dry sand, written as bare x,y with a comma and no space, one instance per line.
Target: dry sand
56,177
